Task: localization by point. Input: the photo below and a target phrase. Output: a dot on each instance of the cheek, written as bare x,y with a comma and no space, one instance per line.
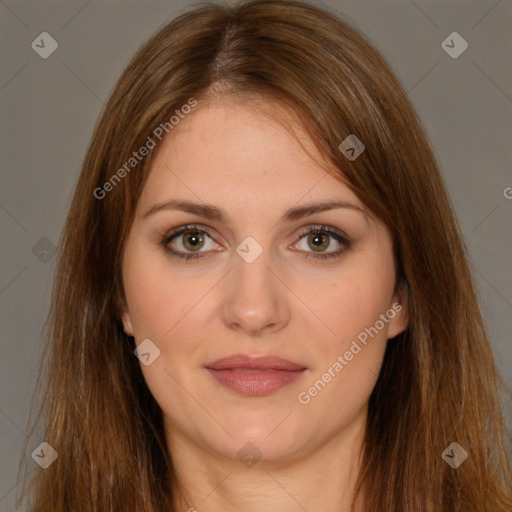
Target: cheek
355,337
156,299
150,304
353,301
161,307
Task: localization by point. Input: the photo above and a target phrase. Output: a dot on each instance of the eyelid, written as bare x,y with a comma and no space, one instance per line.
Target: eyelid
174,232
341,237
300,233
324,229
189,227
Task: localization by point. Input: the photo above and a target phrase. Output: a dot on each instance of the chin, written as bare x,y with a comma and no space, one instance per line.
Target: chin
267,440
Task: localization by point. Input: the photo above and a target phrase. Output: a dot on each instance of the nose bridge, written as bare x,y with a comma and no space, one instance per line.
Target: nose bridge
255,276
255,299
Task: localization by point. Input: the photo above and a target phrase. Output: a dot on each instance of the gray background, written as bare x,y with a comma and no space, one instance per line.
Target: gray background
49,107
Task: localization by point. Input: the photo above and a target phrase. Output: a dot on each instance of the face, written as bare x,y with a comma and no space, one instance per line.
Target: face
227,256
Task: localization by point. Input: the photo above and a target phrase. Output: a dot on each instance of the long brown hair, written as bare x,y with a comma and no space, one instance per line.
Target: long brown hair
438,382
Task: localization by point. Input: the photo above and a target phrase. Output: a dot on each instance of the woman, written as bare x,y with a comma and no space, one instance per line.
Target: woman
262,300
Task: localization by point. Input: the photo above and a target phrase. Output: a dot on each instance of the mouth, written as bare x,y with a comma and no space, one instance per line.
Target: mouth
255,375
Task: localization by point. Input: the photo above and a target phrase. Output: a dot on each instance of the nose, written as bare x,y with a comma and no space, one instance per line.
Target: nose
255,299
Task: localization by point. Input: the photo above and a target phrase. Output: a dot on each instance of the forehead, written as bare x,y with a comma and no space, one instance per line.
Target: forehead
231,150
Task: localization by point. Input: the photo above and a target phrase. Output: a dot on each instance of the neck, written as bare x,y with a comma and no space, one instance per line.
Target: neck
318,477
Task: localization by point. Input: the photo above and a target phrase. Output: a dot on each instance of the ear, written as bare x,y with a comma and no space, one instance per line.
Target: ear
126,319
400,321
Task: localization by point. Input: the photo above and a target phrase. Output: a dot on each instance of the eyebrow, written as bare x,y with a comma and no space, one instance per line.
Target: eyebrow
214,213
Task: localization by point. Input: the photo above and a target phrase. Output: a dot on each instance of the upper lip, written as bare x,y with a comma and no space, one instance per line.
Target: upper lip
245,361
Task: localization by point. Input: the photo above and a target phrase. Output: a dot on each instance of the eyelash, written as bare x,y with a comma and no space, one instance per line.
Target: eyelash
319,229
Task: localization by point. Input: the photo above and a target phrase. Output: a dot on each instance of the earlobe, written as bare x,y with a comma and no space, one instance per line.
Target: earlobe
127,323
399,315
122,308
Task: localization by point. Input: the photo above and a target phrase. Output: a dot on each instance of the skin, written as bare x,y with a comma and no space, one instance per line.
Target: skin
302,309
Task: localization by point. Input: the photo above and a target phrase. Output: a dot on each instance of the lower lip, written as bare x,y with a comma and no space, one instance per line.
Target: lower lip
255,382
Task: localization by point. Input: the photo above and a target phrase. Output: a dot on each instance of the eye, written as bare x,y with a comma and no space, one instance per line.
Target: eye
190,240
321,238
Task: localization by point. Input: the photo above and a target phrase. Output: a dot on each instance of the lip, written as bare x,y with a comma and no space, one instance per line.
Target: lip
244,361
255,375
